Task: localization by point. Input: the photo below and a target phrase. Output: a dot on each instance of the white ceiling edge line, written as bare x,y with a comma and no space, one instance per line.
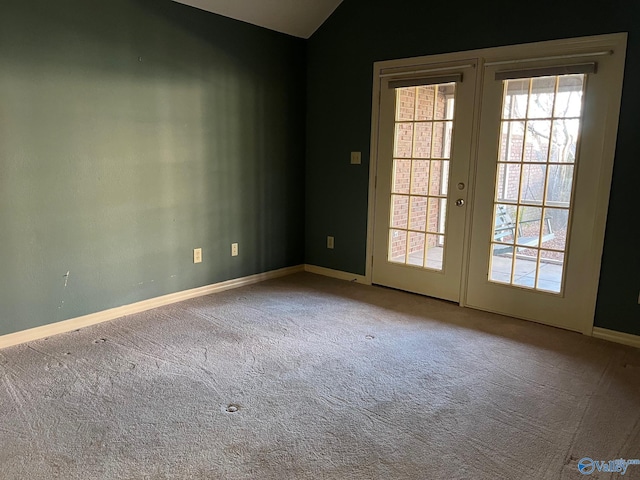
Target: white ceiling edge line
300,18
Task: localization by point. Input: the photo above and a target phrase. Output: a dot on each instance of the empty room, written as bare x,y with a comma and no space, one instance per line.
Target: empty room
319,239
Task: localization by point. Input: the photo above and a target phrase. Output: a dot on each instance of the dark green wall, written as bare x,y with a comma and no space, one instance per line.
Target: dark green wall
339,78
131,132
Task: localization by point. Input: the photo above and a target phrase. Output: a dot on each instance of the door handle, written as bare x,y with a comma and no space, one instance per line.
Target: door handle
459,202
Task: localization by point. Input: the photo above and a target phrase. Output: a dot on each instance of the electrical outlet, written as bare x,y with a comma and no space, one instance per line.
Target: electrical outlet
197,255
234,249
356,158
330,242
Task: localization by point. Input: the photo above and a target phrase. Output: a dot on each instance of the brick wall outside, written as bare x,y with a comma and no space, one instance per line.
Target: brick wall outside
413,140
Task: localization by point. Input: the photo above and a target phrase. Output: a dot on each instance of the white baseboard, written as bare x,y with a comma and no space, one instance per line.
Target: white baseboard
328,272
113,313
618,337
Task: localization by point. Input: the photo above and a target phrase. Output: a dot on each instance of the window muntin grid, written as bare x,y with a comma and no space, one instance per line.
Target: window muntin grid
539,133
423,130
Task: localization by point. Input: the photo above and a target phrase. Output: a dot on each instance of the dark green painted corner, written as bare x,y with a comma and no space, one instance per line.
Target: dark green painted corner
340,58
131,132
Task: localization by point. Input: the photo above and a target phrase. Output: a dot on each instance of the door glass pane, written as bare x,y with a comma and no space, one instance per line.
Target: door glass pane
436,177
406,106
418,214
424,109
401,176
399,211
559,183
435,251
556,224
416,249
448,133
422,140
516,99
445,92
397,246
501,268
528,227
441,145
504,230
444,181
511,141
536,145
534,180
524,272
437,212
542,96
420,176
508,186
564,140
423,132
551,269
403,143
569,97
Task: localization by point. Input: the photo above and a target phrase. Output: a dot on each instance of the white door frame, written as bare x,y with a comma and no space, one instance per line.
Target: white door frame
554,49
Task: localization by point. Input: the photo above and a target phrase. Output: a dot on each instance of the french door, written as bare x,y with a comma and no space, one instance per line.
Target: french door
493,174
425,123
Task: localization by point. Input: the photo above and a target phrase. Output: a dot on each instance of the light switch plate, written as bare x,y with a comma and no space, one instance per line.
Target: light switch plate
356,158
197,255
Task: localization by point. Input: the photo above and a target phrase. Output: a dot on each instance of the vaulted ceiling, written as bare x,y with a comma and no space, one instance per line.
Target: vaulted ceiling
296,17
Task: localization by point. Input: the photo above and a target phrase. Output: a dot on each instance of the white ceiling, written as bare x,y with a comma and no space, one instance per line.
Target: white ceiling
296,17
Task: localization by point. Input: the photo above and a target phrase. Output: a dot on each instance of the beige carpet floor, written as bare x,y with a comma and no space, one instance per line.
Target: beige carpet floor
329,380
